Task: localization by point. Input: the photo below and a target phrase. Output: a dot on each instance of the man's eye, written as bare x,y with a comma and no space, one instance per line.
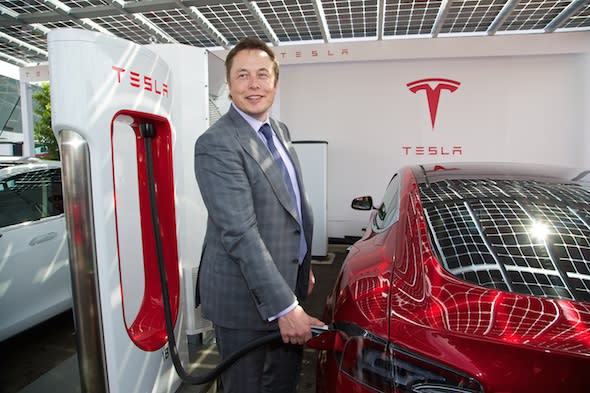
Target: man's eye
242,76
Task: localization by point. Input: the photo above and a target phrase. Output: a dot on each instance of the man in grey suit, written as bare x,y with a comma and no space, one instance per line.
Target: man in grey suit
256,260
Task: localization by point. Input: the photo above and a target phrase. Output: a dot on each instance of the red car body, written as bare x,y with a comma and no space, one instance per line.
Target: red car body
447,296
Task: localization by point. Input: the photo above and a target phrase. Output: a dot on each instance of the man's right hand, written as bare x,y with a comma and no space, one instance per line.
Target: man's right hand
296,326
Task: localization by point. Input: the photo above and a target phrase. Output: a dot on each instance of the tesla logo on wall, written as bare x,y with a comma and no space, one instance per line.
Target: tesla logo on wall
433,87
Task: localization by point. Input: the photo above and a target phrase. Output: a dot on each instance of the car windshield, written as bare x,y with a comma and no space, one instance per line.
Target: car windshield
30,196
521,236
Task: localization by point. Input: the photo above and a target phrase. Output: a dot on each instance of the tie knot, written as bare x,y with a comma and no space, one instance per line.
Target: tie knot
266,131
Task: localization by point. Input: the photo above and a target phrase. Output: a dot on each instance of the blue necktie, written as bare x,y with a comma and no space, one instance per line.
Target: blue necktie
266,131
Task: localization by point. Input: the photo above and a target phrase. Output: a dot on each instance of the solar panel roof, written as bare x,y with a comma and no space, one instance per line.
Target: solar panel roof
220,24
522,236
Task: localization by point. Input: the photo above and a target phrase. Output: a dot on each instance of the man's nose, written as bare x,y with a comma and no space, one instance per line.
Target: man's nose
254,83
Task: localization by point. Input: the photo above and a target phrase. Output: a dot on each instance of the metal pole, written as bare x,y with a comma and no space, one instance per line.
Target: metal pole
79,214
26,109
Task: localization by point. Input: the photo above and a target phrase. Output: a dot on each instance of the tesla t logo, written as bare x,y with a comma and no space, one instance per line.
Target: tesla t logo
141,81
433,87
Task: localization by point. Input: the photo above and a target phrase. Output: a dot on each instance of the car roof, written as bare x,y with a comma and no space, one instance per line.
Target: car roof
523,229
430,173
10,166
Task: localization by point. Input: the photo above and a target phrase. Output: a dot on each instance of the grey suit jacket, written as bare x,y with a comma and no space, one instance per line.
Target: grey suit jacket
249,265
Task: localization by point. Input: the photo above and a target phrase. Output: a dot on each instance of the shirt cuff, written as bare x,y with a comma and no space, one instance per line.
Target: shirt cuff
284,312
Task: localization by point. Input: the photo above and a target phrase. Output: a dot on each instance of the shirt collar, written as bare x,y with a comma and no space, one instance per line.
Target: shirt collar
254,123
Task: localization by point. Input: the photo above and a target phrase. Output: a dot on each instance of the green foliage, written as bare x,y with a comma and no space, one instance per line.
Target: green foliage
43,131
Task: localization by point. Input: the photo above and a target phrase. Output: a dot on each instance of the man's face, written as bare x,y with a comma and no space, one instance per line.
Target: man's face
252,83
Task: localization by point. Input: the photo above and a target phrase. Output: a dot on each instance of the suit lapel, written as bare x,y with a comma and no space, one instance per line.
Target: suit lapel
255,147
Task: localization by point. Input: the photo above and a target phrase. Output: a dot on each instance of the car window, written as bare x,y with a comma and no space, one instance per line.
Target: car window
520,236
30,196
388,211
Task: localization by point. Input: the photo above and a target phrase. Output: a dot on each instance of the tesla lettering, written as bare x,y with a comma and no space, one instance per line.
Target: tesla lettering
141,81
433,150
313,53
433,87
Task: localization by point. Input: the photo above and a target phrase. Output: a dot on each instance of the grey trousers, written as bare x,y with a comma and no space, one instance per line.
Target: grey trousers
273,368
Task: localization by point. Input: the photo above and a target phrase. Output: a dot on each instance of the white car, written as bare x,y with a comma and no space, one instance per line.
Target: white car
34,272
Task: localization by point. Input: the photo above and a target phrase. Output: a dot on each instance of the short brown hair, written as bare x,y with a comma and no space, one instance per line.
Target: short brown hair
249,43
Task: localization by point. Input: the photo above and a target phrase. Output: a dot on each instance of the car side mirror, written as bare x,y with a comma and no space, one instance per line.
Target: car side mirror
362,203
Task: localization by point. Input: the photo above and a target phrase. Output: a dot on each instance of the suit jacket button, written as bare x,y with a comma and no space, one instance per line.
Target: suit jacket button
295,260
298,231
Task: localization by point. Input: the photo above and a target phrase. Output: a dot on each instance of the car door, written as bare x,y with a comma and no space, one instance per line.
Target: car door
34,271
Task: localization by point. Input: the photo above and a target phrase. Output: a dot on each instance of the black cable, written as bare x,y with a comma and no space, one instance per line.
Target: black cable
148,131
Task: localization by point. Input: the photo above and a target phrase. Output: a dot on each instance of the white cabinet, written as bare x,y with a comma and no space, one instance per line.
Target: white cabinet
313,156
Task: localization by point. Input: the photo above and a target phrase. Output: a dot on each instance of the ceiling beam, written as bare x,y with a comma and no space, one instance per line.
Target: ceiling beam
262,22
321,16
98,11
154,5
380,19
13,60
563,16
445,6
26,19
502,16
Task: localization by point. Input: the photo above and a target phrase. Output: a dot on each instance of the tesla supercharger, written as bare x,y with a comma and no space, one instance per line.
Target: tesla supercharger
104,90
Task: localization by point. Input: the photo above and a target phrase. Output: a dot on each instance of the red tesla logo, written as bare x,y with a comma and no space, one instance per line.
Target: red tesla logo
433,87
140,81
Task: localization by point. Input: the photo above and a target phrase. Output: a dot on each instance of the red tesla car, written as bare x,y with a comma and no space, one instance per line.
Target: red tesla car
469,278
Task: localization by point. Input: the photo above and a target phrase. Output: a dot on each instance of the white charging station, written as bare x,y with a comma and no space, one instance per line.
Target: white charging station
102,89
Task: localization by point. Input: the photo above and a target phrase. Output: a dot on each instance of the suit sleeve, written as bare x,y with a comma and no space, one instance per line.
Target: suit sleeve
227,194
